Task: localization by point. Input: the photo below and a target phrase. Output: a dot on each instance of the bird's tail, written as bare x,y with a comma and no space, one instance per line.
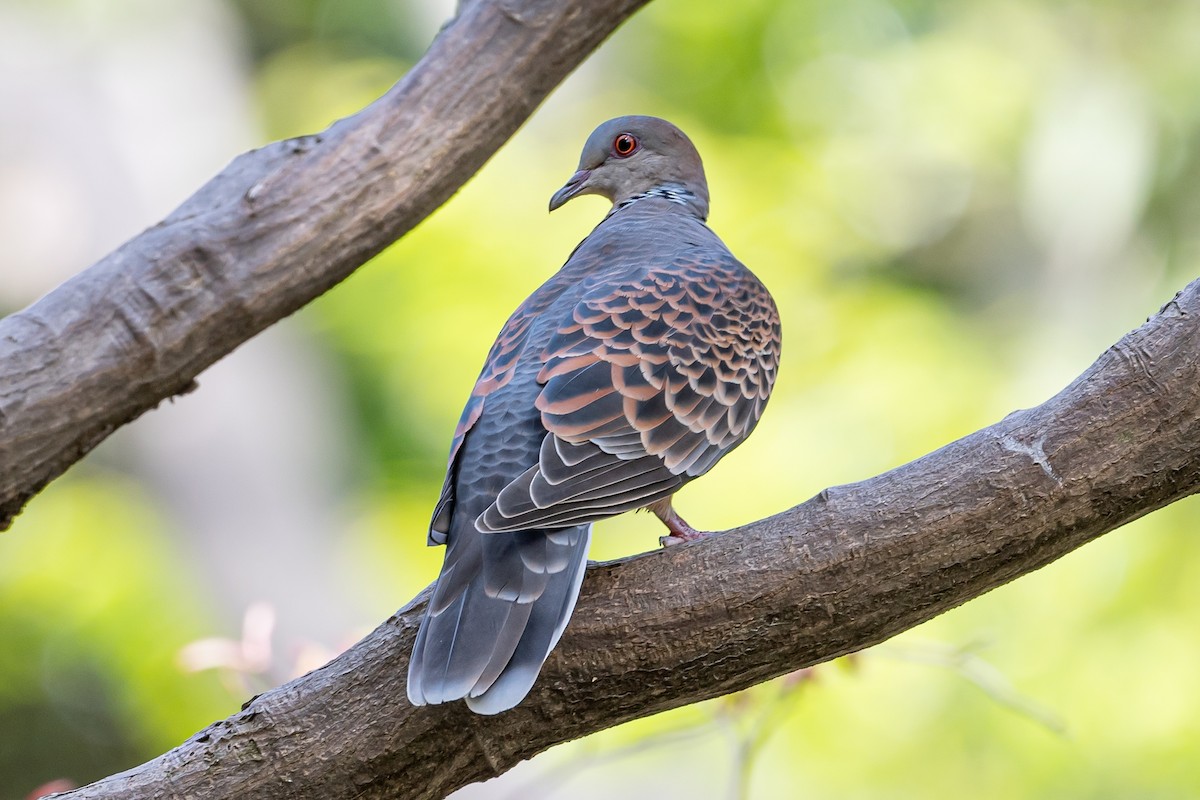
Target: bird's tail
500,605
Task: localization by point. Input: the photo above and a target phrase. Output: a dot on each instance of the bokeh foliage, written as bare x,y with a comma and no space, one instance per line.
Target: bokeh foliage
956,205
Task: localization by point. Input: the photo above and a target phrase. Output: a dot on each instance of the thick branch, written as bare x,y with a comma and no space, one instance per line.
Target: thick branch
845,570
274,230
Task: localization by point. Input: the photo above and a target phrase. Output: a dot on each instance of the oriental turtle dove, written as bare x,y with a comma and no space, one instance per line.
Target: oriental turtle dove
631,371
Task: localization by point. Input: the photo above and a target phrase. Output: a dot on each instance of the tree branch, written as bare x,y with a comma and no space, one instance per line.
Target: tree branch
275,229
845,570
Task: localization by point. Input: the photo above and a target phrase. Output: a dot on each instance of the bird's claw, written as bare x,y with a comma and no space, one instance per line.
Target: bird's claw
682,537
680,531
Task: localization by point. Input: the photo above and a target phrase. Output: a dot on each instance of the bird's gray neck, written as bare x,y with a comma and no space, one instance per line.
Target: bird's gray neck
671,192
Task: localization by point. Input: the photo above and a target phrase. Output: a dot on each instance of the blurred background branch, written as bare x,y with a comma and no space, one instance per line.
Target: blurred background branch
275,229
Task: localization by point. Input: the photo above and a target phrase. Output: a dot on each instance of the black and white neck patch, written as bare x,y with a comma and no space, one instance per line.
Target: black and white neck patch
671,193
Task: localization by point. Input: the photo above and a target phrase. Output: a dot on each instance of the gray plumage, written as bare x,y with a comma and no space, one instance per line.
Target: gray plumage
631,371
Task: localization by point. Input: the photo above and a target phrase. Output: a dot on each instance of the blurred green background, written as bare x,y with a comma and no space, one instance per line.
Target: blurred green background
958,206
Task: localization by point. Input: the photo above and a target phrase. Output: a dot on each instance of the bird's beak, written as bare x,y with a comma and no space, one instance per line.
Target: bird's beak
572,187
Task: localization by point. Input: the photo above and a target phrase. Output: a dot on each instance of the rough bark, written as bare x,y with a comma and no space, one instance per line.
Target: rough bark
279,226
847,569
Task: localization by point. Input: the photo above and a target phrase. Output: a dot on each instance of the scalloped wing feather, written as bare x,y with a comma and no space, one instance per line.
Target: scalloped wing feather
647,385
498,369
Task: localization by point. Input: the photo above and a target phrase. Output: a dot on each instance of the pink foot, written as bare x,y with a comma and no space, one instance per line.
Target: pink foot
687,534
680,531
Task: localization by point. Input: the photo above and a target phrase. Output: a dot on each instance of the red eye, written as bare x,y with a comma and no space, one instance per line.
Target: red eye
625,144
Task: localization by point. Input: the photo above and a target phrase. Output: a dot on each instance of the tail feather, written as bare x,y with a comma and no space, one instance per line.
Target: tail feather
546,625
500,606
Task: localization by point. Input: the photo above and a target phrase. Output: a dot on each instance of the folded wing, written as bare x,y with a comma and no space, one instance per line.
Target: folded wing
646,385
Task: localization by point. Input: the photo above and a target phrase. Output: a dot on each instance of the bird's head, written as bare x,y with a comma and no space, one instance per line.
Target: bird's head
629,156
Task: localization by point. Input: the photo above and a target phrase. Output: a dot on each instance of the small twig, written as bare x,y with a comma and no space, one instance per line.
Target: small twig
551,782
775,711
964,662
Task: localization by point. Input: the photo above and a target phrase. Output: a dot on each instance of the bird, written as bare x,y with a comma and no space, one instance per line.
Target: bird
648,356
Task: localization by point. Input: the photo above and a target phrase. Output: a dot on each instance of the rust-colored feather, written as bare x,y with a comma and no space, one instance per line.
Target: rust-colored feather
670,369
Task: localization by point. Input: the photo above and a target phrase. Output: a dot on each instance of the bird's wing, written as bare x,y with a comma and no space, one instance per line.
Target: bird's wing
646,384
498,369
